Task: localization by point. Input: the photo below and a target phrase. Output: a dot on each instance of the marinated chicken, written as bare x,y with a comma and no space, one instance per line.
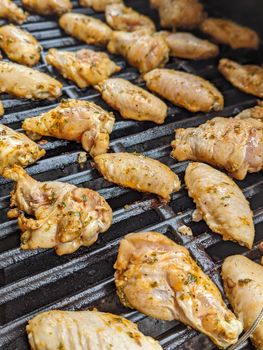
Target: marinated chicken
141,49
227,32
11,12
140,173
86,28
254,112
17,148
85,67
131,101
221,203
86,330
2,111
75,120
159,278
98,5
247,78
185,90
65,216
48,7
243,284
230,143
19,45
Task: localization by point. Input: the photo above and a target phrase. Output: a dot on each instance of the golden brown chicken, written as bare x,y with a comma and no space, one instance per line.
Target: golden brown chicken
186,90
2,111
254,112
11,12
131,101
48,7
65,216
247,78
243,284
159,278
75,120
98,5
85,67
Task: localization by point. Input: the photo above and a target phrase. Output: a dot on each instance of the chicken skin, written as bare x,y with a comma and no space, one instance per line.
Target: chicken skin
247,78
243,284
19,45
185,90
98,5
140,173
159,278
75,120
48,7
85,67
11,12
86,28
2,111
254,112
65,216
86,330
227,32
131,101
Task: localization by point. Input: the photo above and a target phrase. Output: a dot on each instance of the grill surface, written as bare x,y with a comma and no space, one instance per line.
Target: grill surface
37,280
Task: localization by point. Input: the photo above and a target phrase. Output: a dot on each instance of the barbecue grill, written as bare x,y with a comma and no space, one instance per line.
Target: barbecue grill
36,280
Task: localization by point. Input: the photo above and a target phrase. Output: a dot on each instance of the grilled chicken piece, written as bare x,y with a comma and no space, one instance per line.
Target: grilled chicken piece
85,67
131,101
86,330
159,278
141,49
138,172
11,12
254,112
19,45
48,7
227,32
247,78
98,5
2,111
16,148
86,28
186,90
75,120
66,217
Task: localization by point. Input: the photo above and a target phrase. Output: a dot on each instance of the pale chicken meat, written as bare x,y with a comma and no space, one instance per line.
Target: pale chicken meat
141,49
159,278
75,120
19,45
85,67
48,7
138,172
98,5
131,101
10,11
63,216
253,112
243,284
185,90
247,77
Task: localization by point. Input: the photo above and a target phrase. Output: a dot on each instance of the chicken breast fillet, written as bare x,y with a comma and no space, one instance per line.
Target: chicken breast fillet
98,5
66,217
227,32
48,7
75,120
11,12
85,28
85,67
243,284
19,45
131,101
186,90
254,112
159,278
247,78
141,49
140,173
230,143
86,330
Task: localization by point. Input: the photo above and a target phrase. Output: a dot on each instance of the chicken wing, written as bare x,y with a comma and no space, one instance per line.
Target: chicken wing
86,28
243,284
131,101
48,7
86,330
85,67
254,112
66,217
231,143
247,78
75,120
19,45
11,12
2,111
159,278
98,5
140,173
186,90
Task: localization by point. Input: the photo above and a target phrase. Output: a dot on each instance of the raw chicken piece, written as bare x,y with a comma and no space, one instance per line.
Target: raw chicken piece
254,112
98,5
243,284
66,217
2,111
11,12
159,278
48,7
186,90
132,101
75,120
85,67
